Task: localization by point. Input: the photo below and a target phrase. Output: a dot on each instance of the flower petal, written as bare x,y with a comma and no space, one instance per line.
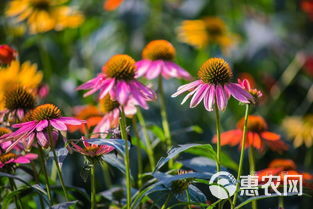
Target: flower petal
270,136
199,95
239,93
59,125
186,87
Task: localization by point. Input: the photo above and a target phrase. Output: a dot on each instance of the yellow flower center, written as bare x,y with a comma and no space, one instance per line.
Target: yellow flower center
215,71
159,50
7,156
4,130
18,98
255,124
121,67
107,104
44,112
91,148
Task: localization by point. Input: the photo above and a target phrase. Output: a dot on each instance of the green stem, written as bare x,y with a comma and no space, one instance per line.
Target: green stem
243,143
218,134
308,157
43,167
139,156
17,200
252,171
126,157
106,173
37,182
166,201
188,199
165,123
281,202
93,187
149,148
55,157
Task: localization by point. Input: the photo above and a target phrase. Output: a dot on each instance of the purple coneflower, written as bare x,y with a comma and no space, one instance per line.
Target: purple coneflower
214,86
157,60
38,123
118,80
92,150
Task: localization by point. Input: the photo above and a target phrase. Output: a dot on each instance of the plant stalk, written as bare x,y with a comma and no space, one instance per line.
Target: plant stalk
43,167
218,134
93,187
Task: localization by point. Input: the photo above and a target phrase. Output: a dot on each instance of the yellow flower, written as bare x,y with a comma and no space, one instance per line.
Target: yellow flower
200,33
300,129
17,74
44,15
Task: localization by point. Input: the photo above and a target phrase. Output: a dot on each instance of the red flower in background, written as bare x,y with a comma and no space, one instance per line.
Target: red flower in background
257,136
307,7
283,167
7,54
308,64
111,5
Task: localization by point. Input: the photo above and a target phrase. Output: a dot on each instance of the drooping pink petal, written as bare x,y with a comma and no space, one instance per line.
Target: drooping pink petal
209,98
42,125
19,125
122,92
58,124
30,140
106,87
89,84
142,67
177,71
186,87
154,70
189,95
221,97
149,93
199,95
239,93
71,121
43,141
22,160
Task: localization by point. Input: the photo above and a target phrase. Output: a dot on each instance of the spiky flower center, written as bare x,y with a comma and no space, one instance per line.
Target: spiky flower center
18,98
215,71
4,130
255,124
44,112
121,67
107,104
41,4
159,50
7,156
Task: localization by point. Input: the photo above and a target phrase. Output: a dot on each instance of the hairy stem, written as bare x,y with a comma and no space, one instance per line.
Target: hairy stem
218,134
44,169
93,187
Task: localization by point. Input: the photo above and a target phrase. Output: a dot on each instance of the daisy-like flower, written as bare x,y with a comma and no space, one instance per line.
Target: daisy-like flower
39,122
258,135
92,151
118,80
17,101
158,56
214,86
201,33
7,54
300,130
17,74
112,111
12,158
44,15
281,168
247,86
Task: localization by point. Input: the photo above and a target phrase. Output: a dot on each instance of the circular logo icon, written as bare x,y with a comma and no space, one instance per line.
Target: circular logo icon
224,185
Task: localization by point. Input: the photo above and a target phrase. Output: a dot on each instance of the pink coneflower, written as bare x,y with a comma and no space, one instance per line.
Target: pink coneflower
247,86
17,101
214,86
92,150
157,60
12,158
39,121
112,111
118,80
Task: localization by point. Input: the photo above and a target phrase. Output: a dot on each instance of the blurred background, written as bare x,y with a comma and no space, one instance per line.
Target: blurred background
268,42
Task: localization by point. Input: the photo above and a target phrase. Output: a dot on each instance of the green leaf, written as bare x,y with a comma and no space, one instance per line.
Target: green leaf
197,129
158,132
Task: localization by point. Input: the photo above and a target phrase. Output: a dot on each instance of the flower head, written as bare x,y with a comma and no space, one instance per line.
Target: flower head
258,135
44,15
200,33
9,159
214,86
300,130
92,151
7,54
281,168
111,5
247,86
158,56
25,75
39,124
118,80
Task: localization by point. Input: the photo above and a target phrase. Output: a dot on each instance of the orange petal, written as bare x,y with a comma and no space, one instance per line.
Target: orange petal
110,5
257,142
231,138
270,136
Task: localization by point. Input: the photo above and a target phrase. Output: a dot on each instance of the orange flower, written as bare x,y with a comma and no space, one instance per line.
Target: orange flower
307,7
7,54
110,5
90,114
257,136
283,167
